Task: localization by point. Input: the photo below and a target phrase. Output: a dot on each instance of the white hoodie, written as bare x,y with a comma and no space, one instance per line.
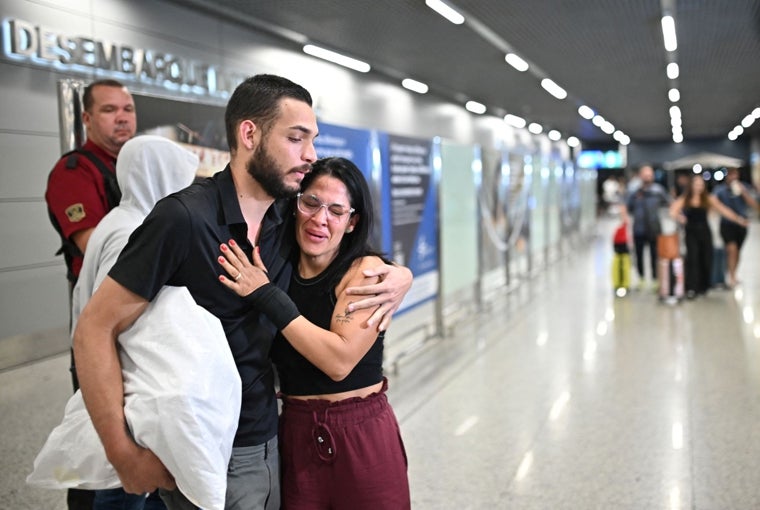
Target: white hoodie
148,169
182,390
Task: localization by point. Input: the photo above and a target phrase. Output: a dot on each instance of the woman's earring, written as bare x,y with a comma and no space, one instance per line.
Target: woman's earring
349,230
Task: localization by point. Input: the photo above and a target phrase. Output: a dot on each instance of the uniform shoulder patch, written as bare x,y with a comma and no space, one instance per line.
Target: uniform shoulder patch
75,213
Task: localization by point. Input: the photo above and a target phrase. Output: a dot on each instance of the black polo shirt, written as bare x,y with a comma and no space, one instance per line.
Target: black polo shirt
178,245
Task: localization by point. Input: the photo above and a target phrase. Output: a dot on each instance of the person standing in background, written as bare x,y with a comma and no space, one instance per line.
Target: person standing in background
691,209
642,210
82,188
737,196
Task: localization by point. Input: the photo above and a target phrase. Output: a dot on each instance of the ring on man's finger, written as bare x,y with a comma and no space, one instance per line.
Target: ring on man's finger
238,277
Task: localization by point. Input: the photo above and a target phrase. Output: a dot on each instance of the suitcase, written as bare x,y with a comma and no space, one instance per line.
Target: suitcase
670,279
718,274
621,273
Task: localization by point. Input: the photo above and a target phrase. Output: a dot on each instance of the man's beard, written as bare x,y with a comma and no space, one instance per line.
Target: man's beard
264,170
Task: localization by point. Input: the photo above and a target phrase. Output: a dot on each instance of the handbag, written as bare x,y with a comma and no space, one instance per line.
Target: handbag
668,246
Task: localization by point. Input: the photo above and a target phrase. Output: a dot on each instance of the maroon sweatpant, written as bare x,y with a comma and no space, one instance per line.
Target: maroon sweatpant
344,455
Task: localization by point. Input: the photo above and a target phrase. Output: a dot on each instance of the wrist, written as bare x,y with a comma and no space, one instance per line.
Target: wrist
120,451
274,303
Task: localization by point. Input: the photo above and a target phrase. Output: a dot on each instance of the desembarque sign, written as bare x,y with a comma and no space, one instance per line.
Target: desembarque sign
50,48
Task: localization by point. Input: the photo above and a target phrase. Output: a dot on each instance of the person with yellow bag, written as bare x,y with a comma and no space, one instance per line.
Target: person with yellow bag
621,261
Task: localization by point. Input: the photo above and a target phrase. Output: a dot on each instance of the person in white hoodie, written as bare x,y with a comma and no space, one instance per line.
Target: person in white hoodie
148,169
183,408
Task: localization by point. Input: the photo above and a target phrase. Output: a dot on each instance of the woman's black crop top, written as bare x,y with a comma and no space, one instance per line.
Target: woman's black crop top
298,376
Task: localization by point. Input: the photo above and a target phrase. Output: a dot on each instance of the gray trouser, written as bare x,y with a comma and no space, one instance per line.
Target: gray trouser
253,481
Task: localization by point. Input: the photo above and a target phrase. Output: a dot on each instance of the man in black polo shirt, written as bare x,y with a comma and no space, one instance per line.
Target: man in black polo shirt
270,130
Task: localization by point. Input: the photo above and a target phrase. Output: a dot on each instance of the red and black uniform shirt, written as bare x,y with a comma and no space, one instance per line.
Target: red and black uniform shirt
77,196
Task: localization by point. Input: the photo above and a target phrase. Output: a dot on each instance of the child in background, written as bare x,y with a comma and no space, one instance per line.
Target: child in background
621,261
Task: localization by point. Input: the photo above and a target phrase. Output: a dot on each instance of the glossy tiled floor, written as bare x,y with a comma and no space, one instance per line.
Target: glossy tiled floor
561,396
565,397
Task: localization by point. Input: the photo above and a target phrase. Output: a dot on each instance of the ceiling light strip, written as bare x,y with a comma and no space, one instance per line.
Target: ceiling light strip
446,11
669,33
516,62
415,86
336,58
553,89
475,107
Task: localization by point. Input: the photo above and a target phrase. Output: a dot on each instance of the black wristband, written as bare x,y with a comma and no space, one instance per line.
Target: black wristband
273,302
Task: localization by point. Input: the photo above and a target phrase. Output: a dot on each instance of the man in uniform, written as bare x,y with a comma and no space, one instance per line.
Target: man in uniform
82,185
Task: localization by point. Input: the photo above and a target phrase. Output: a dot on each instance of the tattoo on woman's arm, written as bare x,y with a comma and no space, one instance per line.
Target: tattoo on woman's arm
345,317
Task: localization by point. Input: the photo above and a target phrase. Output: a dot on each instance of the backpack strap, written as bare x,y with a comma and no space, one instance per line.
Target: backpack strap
113,193
69,249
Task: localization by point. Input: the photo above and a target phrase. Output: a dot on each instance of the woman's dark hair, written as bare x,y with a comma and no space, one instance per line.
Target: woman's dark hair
704,197
356,243
258,99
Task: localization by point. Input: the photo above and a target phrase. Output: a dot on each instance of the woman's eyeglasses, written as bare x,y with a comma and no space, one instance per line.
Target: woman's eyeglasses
310,205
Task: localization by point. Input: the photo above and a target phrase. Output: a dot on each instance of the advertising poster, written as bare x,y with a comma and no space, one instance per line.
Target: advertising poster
459,218
196,126
410,211
493,199
361,147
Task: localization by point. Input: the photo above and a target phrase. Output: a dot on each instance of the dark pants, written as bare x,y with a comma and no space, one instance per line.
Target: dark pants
117,499
699,249
342,456
640,242
79,499
718,276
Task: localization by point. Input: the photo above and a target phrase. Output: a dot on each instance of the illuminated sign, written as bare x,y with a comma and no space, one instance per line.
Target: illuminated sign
46,47
600,159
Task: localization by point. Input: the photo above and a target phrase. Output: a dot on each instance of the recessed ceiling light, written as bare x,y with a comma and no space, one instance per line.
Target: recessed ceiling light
414,86
573,141
514,120
336,58
516,62
535,128
669,33
446,11
475,107
586,112
674,95
554,135
553,89
672,70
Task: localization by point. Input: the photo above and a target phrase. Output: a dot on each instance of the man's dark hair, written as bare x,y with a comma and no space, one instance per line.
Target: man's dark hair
356,243
257,99
87,97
